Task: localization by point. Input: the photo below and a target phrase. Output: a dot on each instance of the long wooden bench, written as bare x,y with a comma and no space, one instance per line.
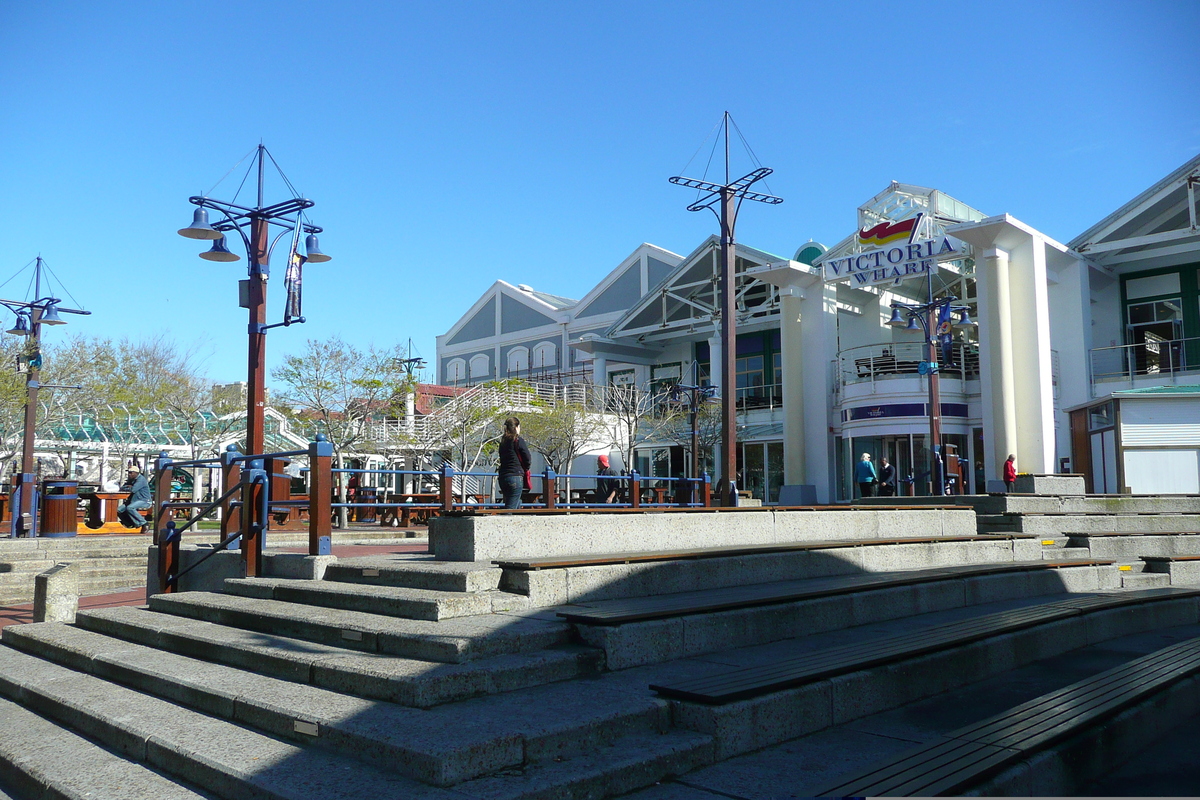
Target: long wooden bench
729,551
742,684
969,756
734,597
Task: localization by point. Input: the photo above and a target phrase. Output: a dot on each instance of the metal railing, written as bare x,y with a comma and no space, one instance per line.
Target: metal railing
248,506
1128,361
872,362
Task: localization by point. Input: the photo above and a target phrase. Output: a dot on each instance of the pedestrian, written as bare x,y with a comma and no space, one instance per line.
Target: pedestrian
887,478
138,489
1010,473
606,488
514,463
864,473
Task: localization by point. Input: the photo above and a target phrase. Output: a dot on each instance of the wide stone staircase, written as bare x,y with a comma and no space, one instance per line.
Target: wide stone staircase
556,676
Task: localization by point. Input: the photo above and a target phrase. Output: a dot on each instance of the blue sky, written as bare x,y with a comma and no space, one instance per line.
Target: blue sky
450,144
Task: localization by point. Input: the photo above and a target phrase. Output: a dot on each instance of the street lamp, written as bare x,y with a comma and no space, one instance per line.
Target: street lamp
31,316
253,226
930,318
695,396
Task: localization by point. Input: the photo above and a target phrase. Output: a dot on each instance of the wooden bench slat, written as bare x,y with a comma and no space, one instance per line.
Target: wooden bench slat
1015,734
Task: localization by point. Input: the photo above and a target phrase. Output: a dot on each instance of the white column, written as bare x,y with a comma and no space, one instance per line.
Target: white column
1033,383
1071,329
996,361
818,322
792,355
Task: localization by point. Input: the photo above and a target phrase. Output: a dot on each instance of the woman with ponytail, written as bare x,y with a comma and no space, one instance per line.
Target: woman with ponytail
514,463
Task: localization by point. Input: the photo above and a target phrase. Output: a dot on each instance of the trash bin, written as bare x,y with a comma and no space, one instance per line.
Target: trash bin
366,494
60,501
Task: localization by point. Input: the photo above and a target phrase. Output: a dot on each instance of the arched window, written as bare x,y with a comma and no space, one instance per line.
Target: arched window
518,360
456,371
481,366
543,355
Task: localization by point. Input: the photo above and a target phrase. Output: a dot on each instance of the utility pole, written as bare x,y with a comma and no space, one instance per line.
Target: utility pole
729,197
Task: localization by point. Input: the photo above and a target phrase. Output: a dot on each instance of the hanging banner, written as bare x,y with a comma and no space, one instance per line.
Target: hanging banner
292,279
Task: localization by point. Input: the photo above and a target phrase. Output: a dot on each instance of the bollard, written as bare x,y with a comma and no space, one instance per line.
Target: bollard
548,488
56,594
320,490
635,489
446,488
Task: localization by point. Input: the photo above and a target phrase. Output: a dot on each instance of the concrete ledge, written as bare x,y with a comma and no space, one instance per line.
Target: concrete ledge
208,577
1049,484
296,565
56,594
495,537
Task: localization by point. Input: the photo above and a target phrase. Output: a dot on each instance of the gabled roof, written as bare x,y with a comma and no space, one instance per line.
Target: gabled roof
687,296
1159,222
505,308
622,287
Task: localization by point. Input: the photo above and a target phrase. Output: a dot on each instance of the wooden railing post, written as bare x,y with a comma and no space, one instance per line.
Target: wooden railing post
635,489
706,491
446,488
231,476
549,489
320,493
168,545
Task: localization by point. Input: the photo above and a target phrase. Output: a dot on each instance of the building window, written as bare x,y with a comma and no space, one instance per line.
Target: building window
481,366
543,355
456,371
518,360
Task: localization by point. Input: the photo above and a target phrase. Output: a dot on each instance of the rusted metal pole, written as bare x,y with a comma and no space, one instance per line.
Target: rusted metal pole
256,356
635,490
728,353
549,488
320,494
446,488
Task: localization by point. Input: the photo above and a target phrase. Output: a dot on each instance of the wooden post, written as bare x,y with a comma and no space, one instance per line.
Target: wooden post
549,489
446,488
168,547
231,475
252,526
706,491
635,489
320,492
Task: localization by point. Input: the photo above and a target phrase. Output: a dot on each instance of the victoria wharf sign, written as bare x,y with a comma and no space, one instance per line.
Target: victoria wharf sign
901,256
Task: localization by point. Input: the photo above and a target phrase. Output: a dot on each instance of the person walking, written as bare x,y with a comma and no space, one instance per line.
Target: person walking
864,473
514,463
606,488
1010,473
887,478
138,498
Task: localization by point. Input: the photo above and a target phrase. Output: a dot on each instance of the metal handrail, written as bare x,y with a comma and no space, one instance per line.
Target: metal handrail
1127,361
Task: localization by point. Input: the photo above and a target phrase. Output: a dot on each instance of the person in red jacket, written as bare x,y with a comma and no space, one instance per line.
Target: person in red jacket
1010,472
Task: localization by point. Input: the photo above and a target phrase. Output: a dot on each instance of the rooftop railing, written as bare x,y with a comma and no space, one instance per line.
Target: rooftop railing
874,362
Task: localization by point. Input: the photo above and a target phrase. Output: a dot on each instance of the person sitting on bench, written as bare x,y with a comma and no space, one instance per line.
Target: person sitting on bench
139,498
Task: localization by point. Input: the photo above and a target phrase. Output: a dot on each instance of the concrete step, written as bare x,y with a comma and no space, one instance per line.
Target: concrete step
36,754
218,756
491,733
406,681
416,572
1050,553
1144,580
451,641
590,583
425,604
658,640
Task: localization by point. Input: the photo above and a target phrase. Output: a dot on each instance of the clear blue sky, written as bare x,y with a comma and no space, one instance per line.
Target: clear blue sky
450,144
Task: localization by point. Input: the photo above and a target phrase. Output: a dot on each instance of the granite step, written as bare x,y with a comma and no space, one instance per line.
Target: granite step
423,604
450,641
416,572
406,681
1144,580
218,756
489,733
36,754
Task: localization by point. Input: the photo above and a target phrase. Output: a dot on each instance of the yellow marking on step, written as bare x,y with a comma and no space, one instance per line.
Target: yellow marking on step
1047,541
1124,568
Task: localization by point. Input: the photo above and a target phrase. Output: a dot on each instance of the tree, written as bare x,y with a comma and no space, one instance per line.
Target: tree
635,414
678,429
343,391
561,432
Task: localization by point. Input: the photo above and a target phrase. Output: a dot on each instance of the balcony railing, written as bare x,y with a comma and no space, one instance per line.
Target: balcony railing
1167,358
874,362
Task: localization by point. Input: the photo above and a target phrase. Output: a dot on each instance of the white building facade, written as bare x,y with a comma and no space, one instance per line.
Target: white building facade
1085,357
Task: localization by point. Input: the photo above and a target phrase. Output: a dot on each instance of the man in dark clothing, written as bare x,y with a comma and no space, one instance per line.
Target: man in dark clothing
139,497
606,488
887,479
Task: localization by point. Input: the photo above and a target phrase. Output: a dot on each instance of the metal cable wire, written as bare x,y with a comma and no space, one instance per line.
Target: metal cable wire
231,169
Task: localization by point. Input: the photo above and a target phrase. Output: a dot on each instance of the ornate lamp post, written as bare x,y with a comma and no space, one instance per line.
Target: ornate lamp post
932,319
253,225
31,316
